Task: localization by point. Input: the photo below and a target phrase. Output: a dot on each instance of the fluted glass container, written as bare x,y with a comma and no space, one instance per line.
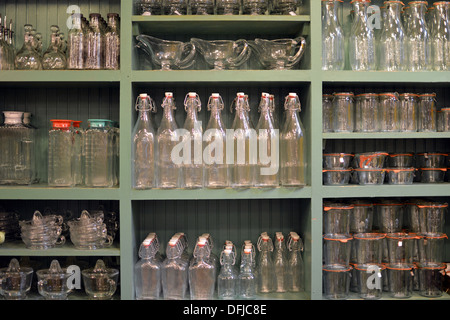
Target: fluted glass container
60,154
333,42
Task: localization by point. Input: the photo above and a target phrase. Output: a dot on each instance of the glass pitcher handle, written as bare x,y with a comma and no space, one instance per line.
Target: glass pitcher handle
243,55
301,43
188,61
112,287
108,241
61,240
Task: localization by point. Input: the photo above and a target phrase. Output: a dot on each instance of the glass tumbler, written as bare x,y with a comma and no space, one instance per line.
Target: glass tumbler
427,121
336,282
337,249
401,247
389,112
445,119
343,112
400,279
431,248
369,280
369,247
367,113
337,218
409,103
431,279
327,113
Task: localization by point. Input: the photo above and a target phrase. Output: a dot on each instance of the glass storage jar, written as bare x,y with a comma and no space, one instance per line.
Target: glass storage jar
343,112
427,113
367,113
389,112
409,103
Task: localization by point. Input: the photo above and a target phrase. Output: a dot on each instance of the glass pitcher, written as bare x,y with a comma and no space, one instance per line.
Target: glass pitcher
143,147
216,169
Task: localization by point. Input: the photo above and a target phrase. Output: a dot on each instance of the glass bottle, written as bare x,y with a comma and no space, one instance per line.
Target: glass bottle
295,263
292,145
54,58
95,44
143,147
227,278
112,43
202,272
4,56
12,47
192,169
167,137
333,47
76,44
147,271
244,144
440,39
431,20
280,264
392,56
174,274
216,170
78,138
247,280
212,256
267,171
60,154
98,149
362,43
418,44
27,58
427,113
17,159
265,264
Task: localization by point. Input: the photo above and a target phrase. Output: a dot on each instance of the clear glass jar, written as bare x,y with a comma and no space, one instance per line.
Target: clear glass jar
175,7
78,138
280,262
228,7
427,121
247,279
60,151
17,159
418,44
327,113
267,172
54,58
367,113
440,38
202,7
265,264
389,112
174,276
362,42
392,39
147,270
143,147
333,42
27,58
445,119
76,44
408,112
293,151
112,43
95,44
98,149
343,112
202,272
227,280
255,7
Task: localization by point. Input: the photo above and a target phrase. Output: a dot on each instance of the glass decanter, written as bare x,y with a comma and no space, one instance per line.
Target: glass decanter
280,263
27,58
216,171
292,145
95,59
60,151
440,39
267,171
418,44
392,55
167,137
295,263
147,271
244,144
362,43
265,264
143,147
54,58
227,278
76,44
247,279
333,47
192,168
202,272
112,43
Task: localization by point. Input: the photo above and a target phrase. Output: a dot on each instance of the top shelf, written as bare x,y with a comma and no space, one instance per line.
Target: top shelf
219,24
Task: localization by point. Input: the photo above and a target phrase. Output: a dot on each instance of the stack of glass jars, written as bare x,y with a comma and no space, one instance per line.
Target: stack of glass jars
17,160
379,112
217,158
221,7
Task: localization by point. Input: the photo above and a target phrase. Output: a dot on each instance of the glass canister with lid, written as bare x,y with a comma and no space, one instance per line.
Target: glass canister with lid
60,154
409,103
427,121
389,112
367,113
327,113
98,149
343,112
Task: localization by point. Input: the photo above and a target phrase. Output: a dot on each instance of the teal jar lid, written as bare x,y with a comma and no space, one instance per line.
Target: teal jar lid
99,123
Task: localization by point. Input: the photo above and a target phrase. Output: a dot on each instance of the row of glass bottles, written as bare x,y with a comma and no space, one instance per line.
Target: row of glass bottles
411,44
204,272
7,47
93,44
225,7
17,140
83,157
243,156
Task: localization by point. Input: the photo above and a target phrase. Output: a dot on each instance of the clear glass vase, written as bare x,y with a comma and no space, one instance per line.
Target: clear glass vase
333,42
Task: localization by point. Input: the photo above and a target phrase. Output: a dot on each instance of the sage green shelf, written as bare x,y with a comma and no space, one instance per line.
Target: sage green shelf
387,135
17,248
67,76
43,191
385,77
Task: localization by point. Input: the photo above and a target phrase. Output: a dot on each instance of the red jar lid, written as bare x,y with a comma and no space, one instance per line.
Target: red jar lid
61,123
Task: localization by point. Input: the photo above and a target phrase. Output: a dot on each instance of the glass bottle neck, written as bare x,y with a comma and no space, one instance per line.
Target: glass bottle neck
417,13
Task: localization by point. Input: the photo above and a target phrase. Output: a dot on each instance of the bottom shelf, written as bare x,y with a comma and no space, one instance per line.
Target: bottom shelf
385,296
